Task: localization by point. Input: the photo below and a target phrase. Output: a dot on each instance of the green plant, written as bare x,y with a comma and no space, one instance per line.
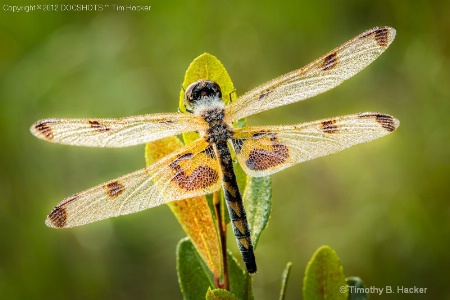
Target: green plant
205,267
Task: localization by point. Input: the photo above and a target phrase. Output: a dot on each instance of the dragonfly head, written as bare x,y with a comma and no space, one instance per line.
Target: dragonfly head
202,94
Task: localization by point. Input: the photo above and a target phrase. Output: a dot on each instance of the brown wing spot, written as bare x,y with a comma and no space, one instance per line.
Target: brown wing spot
114,189
262,159
369,32
329,62
58,217
382,37
201,178
264,95
329,126
386,121
44,129
98,126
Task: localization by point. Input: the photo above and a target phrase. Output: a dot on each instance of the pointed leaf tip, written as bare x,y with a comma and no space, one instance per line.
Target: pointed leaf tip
193,276
219,294
257,198
284,279
324,277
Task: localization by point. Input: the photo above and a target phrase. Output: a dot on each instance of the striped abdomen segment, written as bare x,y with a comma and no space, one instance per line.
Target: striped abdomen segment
236,208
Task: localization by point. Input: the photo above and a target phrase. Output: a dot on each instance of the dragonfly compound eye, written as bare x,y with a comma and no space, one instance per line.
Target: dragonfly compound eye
200,90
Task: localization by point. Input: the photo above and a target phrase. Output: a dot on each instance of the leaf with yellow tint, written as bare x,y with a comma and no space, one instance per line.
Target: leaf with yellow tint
193,214
207,67
219,294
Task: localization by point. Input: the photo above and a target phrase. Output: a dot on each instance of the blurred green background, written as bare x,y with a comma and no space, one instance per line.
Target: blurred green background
383,206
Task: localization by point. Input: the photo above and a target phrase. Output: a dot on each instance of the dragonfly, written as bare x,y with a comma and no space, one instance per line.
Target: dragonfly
205,165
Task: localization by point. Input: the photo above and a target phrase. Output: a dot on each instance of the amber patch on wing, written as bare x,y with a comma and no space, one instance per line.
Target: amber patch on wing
114,189
329,62
98,126
58,217
386,121
329,126
45,129
381,37
262,159
262,151
201,178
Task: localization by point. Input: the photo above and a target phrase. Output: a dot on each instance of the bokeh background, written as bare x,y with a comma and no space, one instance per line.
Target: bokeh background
383,206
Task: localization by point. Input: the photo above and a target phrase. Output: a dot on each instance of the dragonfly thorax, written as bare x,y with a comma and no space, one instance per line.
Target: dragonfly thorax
218,131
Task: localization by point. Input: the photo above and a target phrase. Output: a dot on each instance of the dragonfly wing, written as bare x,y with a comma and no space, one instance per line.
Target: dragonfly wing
262,151
115,132
192,171
321,75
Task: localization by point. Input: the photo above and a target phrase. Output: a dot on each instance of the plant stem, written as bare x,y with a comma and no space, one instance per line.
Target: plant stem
222,230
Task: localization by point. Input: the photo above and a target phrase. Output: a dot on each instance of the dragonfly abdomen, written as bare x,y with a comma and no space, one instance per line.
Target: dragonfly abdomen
236,208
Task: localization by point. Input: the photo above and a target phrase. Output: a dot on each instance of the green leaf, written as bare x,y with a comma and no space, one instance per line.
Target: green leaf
284,279
219,294
257,198
324,277
240,280
193,275
356,289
